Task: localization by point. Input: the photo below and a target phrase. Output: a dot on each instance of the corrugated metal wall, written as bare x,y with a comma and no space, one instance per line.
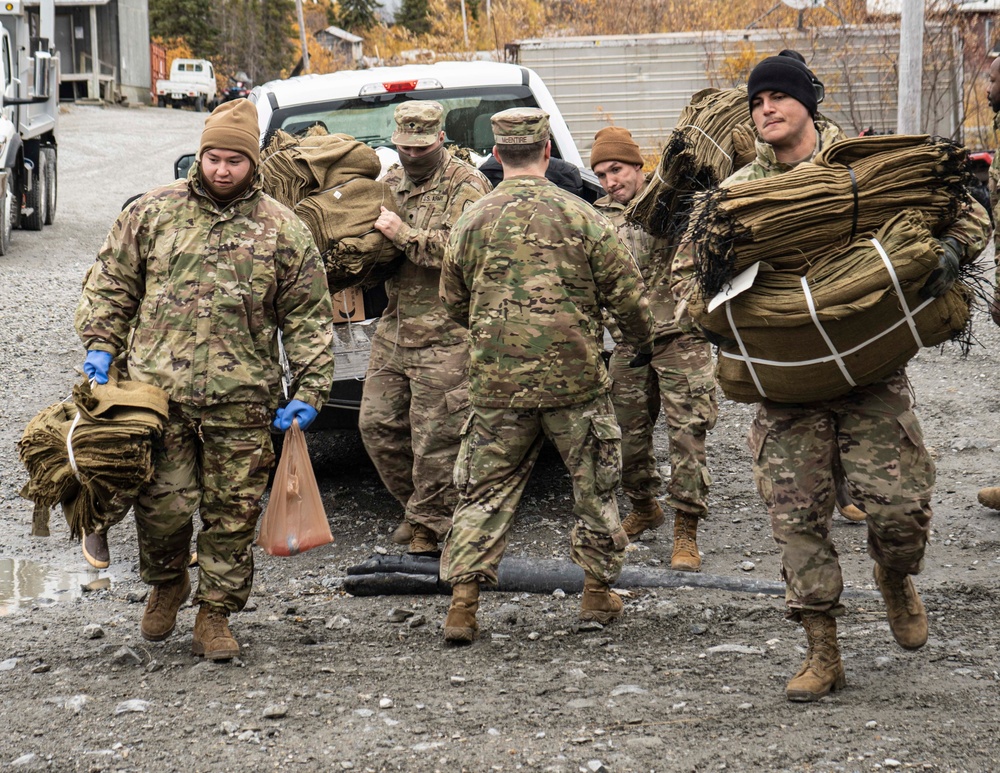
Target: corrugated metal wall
643,82
133,42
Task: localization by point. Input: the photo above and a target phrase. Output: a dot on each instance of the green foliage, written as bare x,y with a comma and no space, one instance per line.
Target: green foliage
190,20
354,15
415,16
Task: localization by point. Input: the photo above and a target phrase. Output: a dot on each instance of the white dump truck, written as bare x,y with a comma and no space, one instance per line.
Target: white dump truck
191,83
29,108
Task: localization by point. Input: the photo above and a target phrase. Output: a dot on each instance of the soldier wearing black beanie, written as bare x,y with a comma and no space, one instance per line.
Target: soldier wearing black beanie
787,73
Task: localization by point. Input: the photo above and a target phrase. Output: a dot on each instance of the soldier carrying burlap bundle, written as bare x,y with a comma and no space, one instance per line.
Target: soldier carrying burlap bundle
871,428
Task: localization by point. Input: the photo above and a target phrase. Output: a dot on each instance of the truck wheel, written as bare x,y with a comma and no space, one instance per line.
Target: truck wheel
37,198
51,185
199,104
161,101
6,212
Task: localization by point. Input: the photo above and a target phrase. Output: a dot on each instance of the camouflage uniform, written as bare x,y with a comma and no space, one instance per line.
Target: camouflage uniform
680,375
528,268
994,186
416,389
874,430
209,288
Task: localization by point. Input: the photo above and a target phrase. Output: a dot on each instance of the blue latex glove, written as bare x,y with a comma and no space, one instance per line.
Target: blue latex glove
296,409
96,366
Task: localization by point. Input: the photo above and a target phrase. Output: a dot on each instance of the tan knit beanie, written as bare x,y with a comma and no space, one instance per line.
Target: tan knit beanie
614,143
233,126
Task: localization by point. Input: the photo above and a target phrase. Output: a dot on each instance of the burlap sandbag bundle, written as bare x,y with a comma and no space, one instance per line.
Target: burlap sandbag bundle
792,220
92,455
698,155
331,182
790,354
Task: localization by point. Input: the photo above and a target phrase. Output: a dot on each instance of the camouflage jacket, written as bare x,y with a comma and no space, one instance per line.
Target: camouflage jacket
414,315
197,295
995,196
971,230
529,268
654,256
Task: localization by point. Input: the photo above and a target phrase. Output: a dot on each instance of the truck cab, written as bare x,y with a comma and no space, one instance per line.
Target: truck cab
191,83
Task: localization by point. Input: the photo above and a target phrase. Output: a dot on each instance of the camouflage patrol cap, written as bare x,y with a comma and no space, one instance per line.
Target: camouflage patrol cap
520,126
418,124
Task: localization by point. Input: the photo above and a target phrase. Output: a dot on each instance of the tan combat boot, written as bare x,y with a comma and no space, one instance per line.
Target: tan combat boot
600,603
903,607
646,514
460,627
685,557
423,540
822,672
165,600
402,534
990,497
212,637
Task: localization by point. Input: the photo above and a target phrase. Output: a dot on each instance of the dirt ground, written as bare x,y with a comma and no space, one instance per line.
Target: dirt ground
690,679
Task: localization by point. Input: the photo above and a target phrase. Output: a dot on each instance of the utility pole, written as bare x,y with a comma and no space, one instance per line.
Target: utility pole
302,36
465,26
911,67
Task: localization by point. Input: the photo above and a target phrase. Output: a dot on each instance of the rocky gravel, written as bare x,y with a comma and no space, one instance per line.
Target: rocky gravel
691,679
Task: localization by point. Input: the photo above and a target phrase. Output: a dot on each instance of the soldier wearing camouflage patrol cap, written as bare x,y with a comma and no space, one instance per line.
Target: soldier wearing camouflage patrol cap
415,392
193,285
680,375
528,269
870,435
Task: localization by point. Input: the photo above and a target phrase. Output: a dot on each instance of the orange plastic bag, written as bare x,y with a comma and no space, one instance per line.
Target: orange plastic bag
295,520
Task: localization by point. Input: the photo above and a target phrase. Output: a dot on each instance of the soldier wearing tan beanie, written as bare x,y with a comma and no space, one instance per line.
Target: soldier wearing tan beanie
614,143
230,149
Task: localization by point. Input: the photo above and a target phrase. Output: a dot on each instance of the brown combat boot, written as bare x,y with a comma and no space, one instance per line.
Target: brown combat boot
95,550
903,607
423,540
822,672
600,603
212,637
646,514
460,627
402,534
165,600
685,557
990,497
845,505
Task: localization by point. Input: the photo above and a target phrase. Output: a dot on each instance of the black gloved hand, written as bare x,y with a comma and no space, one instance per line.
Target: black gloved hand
643,358
717,340
942,279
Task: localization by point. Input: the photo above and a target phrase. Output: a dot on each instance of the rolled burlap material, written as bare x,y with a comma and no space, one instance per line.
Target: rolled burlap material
855,330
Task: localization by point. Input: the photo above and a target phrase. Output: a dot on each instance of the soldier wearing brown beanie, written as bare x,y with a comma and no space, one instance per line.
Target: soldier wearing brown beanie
679,375
193,287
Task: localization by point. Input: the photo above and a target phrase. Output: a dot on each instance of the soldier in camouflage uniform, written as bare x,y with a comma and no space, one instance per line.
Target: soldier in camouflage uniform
990,497
416,390
528,269
211,269
881,451
680,374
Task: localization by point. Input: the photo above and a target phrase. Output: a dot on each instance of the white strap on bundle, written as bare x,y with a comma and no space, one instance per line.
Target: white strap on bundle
836,356
899,293
819,326
69,446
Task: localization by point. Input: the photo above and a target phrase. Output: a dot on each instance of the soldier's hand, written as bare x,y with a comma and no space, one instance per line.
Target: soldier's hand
643,358
295,410
942,279
388,223
995,307
717,340
96,365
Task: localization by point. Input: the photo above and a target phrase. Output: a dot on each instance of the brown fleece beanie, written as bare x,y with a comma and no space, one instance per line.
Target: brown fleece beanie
613,143
233,126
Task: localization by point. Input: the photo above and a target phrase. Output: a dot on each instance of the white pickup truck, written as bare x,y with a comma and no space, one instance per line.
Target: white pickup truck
361,103
191,82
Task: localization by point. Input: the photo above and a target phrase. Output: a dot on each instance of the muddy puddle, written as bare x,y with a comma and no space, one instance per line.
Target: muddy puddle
24,583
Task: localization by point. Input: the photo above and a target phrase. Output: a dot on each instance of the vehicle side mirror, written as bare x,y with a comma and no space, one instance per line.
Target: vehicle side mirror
182,165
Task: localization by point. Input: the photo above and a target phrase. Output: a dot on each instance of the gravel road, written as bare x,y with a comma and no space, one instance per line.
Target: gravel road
690,679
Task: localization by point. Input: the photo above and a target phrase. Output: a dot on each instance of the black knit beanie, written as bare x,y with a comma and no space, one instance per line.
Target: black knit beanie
784,73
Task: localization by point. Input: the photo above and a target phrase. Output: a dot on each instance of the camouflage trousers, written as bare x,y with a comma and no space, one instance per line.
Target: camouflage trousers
888,471
214,461
499,450
414,403
682,379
